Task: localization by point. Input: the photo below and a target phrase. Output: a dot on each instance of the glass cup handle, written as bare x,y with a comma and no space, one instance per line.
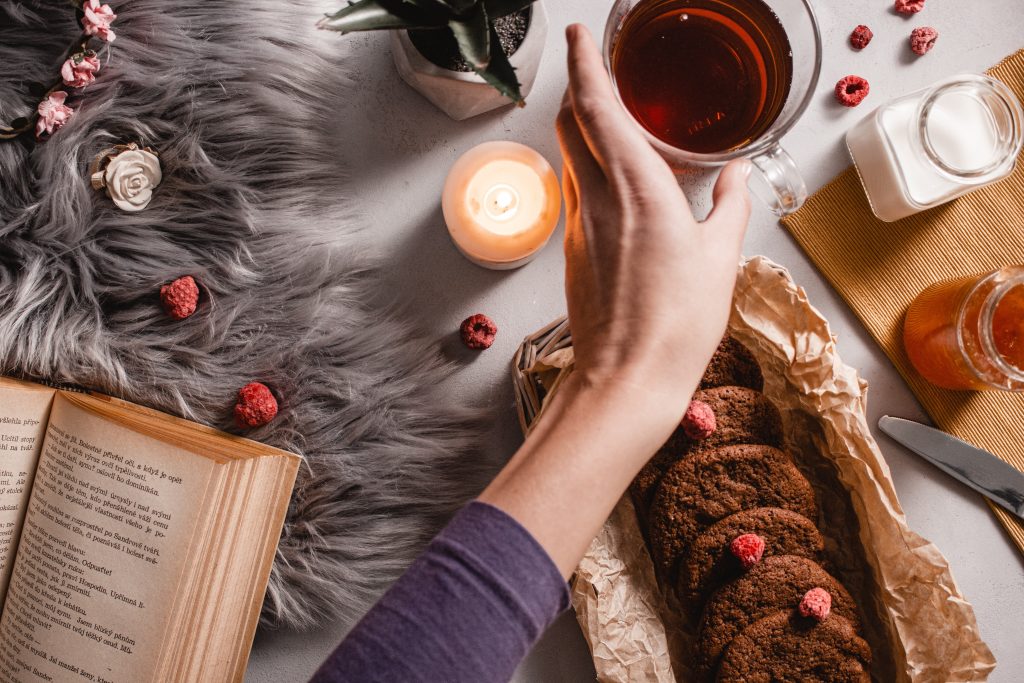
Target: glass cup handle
777,182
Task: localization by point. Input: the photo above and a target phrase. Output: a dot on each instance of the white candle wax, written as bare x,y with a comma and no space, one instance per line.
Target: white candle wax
501,203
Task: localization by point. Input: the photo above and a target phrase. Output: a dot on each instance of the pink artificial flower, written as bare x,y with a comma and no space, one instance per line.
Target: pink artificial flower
80,69
53,113
97,20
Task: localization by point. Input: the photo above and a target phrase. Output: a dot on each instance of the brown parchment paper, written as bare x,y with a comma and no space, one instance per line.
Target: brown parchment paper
919,625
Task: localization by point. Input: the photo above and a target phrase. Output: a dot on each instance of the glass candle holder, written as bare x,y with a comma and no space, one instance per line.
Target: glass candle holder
968,332
501,202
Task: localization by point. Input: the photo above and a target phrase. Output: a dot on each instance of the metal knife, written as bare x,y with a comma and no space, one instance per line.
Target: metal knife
999,481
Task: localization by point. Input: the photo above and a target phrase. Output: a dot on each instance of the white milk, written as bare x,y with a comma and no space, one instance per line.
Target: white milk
973,126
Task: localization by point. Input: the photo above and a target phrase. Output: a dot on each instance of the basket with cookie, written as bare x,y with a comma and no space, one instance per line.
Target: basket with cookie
764,540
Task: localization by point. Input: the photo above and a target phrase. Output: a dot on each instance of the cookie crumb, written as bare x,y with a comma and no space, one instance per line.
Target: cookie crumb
180,297
478,332
851,90
699,420
922,39
816,604
860,37
748,549
256,406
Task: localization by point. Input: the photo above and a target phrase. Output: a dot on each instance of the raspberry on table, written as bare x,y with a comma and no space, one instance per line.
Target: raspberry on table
909,6
699,420
922,39
256,405
748,549
478,331
816,604
851,90
180,297
861,36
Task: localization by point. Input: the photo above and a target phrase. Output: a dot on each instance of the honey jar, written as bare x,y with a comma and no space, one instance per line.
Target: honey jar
968,332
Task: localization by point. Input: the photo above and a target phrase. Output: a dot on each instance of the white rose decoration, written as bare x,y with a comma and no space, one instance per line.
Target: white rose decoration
131,177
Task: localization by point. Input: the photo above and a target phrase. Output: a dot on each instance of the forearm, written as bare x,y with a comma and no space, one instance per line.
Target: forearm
468,609
591,441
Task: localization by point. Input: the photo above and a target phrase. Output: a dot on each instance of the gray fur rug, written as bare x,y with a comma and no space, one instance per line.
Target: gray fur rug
234,96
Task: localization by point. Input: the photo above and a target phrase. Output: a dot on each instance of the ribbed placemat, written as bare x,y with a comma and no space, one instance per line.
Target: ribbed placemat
880,267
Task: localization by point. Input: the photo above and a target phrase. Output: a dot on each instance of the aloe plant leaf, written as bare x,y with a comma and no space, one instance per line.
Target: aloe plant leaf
373,15
473,34
500,73
500,8
461,7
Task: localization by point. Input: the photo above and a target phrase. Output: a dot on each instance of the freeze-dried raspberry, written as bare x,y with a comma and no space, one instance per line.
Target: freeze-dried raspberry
256,406
748,549
180,297
909,6
699,421
861,36
922,39
478,331
817,604
851,90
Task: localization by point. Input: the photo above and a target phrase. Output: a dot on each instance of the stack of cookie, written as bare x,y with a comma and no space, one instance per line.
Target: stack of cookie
729,522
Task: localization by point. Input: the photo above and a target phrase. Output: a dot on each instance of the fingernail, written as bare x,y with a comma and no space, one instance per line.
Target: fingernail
746,168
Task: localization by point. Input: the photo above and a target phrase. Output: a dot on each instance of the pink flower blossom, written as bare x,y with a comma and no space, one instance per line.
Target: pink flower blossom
97,20
53,113
80,69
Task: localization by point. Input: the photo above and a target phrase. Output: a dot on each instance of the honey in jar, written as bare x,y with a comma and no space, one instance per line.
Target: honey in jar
968,332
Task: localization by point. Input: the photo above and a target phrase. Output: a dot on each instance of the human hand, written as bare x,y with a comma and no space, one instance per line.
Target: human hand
648,287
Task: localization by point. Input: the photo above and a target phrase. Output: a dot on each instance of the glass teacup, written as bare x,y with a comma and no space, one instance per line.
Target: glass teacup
762,93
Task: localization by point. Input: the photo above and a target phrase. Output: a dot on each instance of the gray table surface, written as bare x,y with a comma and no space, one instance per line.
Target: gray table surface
399,149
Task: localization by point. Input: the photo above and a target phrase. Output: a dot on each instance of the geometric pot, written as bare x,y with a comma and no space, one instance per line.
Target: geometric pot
462,94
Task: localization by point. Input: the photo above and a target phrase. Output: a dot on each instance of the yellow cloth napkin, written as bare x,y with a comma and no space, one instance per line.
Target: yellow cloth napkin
880,267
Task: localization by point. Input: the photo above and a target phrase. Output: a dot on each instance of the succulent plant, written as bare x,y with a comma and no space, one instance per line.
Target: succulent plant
471,22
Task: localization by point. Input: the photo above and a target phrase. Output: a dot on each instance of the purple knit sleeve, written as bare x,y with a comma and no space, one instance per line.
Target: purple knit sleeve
469,609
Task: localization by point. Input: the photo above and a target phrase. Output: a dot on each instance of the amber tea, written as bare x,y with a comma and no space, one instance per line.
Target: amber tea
704,76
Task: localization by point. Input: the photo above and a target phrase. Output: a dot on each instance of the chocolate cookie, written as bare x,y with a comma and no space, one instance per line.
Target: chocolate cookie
732,365
709,562
775,583
742,415
787,647
711,485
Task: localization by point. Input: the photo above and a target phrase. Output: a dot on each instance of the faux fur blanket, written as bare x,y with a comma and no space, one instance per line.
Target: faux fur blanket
234,97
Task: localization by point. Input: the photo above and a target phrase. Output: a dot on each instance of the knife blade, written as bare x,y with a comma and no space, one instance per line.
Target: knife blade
998,481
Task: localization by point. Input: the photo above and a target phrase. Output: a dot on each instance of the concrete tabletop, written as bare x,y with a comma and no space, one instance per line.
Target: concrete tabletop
399,149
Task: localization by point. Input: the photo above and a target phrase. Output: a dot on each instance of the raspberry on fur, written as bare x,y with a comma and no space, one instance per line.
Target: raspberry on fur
851,90
816,604
256,405
180,298
699,421
922,39
478,332
861,36
909,6
748,549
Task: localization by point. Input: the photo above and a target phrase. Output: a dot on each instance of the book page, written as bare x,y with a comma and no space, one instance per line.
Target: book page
24,410
103,548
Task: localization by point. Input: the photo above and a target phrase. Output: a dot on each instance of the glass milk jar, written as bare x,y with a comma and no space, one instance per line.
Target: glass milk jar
936,144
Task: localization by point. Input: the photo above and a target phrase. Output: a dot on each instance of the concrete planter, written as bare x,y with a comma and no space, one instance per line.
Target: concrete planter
462,94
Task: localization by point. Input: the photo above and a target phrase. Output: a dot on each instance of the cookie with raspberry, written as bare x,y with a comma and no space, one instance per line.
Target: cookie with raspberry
711,485
742,416
775,584
712,561
787,647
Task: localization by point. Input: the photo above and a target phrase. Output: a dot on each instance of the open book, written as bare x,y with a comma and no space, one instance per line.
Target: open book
134,546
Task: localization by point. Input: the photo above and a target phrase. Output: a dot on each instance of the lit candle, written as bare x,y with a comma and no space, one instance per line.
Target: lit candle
501,202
